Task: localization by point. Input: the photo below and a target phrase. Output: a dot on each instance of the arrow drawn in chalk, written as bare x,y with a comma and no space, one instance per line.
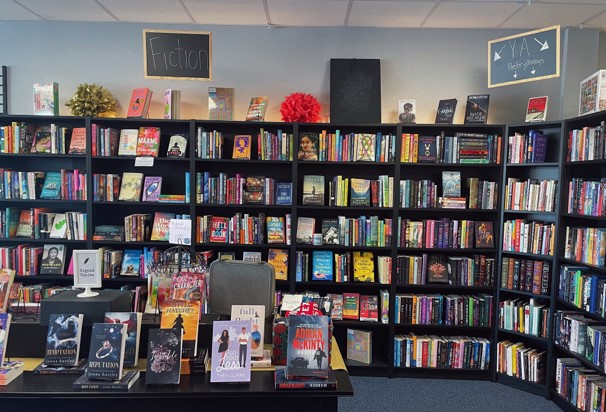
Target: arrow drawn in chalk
533,71
497,55
515,74
544,46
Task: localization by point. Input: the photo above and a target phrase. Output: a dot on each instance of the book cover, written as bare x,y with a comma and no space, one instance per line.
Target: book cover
182,315
426,149
164,348
363,266
161,225
230,356
152,187
5,324
127,145
366,146
131,186
63,339
7,278
42,140
283,193
51,188
369,308
221,103
330,231
46,99
484,234
242,146
132,320
10,371
77,143
278,258
126,381
251,256
139,102
407,110
336,303
257,108
307,346
322,265
106,354
218,229
282,382
446,111
275,229
476,109
58,228
256,315
177,145
148,141
359,345
360,192
536,111
308,146
188,286
351,305
172,104
437,269
313,190
451,183
24,225
305,230
53,260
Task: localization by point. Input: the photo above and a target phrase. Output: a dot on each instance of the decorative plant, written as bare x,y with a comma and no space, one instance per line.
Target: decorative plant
92,100
300,107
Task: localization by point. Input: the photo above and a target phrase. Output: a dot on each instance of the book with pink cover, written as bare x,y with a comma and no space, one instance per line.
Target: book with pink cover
139,102
148,142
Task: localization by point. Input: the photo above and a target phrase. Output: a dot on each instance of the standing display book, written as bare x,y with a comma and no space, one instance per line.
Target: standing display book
230,356
132,320
5,324
256,315
164,349
63,339
106,354
307,346
182,315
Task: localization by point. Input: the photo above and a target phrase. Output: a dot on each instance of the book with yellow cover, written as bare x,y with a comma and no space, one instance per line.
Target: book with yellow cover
182,314
132,183
278,258
364,266
242,143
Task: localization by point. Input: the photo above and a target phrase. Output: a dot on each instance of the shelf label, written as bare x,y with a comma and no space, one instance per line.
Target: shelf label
144,161
179,232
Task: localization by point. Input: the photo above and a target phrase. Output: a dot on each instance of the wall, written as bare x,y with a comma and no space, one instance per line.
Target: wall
423,64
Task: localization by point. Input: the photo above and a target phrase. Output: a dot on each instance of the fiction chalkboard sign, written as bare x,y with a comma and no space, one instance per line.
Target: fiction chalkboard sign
524,57
174,54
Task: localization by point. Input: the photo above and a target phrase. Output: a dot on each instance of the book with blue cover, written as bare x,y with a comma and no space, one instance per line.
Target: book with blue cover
322,267
106,354
283,193
51,189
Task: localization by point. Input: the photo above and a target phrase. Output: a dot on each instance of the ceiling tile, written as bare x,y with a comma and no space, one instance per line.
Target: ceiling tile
9,10
312,13
68,10
469,15
231,12
598,21
155,11
389,13
527,17
569,14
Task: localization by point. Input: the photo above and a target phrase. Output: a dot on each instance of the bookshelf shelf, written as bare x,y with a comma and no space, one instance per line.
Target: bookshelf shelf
580,358
442,327
588,217
587,265
524,293
524,335
533,165
528,255
524,385
444,287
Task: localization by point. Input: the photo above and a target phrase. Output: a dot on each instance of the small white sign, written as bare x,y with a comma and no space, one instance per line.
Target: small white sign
144,161
87,271
179,231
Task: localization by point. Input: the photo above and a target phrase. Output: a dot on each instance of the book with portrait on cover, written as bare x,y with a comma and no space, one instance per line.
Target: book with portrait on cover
230,352
307,346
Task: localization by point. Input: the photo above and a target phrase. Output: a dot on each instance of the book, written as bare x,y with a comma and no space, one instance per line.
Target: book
257,108
366,144
476,109
58,228
51,188
242,146
5,325
164,348
322,265
140,99
407,111
278,258
336,304
24,225
250,256
369,308
106,354
536,111
77,142
148,141
282,382
307,346
63,339
451,183
446,111
132,320
218,229
359,345
330,231
308,146
221,103
46,99
437,269
360,192
127,144
305,230
172,104
484,234
182,315
283,193
188,286
53,260
131,187
7,278
351,305
313,190
42,142
161,225
177,146
152,187
131,262
363,266
230,356
275,227
9,371
124,383
78,369
256,315
426,149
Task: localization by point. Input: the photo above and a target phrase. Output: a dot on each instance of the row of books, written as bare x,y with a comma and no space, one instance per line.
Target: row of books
424,193
270,146
347,147
583,289
586,197
453,352
515,359
529,237
528,317
65,184
450,310
582,335
462,148
531,194
243,229
527,275
585,244
275,146
343,191
357,266
239,190
586,144
47,139
28,260
356,306
40,223
134,187
445,233
582,387
144,141
527,148
477,270
361,231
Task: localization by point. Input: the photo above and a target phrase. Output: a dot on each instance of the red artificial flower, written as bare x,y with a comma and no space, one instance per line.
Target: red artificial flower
300,107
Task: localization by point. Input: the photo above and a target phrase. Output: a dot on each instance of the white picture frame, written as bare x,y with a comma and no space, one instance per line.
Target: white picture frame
87,271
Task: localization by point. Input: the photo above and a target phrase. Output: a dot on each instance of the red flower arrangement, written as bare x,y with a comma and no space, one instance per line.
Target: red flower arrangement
300,107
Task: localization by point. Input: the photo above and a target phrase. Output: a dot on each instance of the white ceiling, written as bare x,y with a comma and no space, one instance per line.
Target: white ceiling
505,14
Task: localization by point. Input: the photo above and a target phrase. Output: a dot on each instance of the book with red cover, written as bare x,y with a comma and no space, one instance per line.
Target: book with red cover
148,142
218,229
139,102
537,109
77,144
160,226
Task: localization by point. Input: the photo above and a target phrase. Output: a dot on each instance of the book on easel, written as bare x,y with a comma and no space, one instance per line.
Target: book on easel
139,102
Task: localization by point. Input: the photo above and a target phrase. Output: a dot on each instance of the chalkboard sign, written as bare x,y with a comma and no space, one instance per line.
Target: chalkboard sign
174,54
524,57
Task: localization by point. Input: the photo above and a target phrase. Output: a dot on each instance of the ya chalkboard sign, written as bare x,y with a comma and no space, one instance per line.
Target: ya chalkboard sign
524,57
174,54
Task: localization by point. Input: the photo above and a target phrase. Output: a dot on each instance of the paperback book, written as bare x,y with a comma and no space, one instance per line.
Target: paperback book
360,192
152,187
177,145
359,345
230,356
132,320
221,103
451,183
5,325
51,188
161,225
172,104
148,141
46,99
164,348
484,234
313,190
9,371
124,383
106,354
77,142
476,110
283,193
131,262
257,109
322,265
308,147
53,260
363,266
127,145
242,147
256,315
139,102
307,346
305,230
536,111
131,187
446,111
78,369
330,231
63,339
182,315
278,258
407,111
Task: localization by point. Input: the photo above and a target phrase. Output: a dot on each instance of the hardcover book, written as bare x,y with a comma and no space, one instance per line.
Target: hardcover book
172,104
131,262
359,345
322,265
305,230
336,303
131,186
125,382
308,146
446,111
242,146
351,305
283,193
132,320
182,315
221,103
256,315
24,226
148,141
218,229
476,109
369,308
63,339
53,260
106,354
46,99
407,111
426,150
230,356
164,348
7,278
58,226
437,269
363,266
177,145
451,183
77,143
313,190
127,145
366,145
330,231
139,102
536,111
42,140
51,188
282,382
161,225
360,192
484,234
5,324
257,109
152,187
307,346
278,258
275,229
